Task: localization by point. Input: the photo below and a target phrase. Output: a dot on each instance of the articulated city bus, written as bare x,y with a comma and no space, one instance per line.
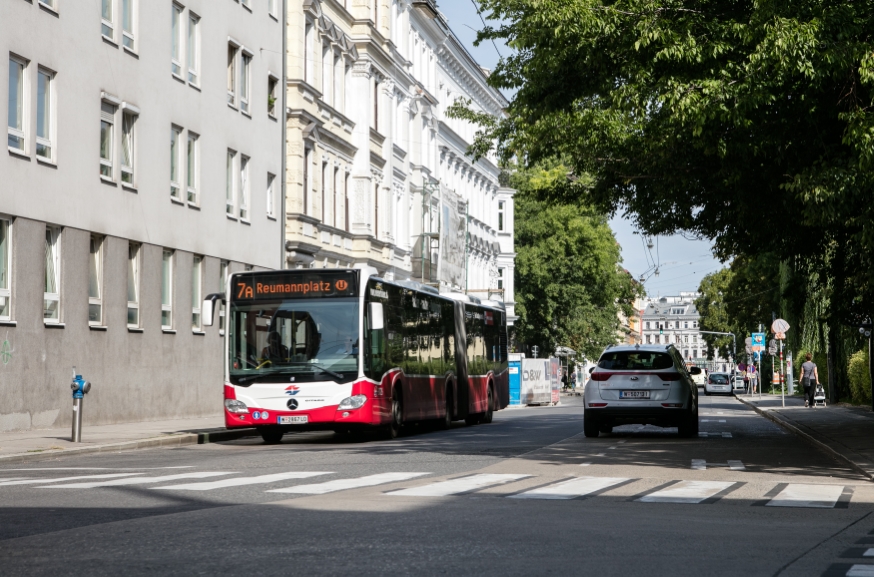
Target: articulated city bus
343,350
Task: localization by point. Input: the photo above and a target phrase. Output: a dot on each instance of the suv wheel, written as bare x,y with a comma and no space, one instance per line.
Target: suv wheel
590,425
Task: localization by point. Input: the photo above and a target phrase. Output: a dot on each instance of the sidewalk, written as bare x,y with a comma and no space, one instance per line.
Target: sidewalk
20,446
847,433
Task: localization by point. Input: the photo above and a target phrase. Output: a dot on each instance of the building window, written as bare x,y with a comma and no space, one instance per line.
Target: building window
647,324
176,31
5,268
48,3
167,290
685,325
223,286
16,115
346,201
175,134
246,3
335,186
245,68
232,74
128,121
52,293
324,189
107,129
500,215
327,73
95,276
648,339
500,279
127,24
133,285
244,187
193,49
307,160
694,353
230,192
308,65
44,113
272,83
107,28
376,105
271,195
192,166
196,292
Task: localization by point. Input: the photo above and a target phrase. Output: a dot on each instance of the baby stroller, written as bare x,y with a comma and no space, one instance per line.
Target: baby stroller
819,396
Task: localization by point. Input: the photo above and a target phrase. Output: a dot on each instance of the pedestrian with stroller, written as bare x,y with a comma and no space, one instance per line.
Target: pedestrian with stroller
809,379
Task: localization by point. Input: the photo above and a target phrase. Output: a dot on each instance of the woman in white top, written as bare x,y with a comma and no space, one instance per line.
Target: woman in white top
809,380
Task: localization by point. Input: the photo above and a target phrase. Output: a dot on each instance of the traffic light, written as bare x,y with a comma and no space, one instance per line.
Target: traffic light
661,329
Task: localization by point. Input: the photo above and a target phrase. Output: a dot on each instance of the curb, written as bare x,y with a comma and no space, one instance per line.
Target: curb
824,447
173,440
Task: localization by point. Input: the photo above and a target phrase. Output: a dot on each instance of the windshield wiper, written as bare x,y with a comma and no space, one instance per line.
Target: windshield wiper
253,377
324,370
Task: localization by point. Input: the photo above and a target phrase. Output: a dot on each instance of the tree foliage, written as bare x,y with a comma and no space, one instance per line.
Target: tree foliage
747,122
569,283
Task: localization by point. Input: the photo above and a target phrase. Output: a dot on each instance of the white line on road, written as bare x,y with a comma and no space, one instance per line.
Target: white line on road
624,441
613,447
571,489
868,553
456,486
37,481
712,420
137,480
240,481
103,468
736,466
584,464
813,496
343,484
699,465
861,571
686,492
600,455
726,435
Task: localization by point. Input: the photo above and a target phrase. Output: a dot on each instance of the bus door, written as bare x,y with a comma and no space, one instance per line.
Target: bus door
463,386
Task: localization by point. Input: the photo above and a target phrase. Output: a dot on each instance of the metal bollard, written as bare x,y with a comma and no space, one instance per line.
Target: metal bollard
79,386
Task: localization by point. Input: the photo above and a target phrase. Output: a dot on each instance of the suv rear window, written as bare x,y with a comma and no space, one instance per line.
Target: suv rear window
719,379
635,361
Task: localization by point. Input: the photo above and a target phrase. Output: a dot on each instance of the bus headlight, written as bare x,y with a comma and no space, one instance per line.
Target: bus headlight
234,406
355,402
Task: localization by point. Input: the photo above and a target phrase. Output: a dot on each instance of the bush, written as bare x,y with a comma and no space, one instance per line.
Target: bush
860,378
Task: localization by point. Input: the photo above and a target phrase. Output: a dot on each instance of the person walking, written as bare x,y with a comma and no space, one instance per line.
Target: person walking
809,379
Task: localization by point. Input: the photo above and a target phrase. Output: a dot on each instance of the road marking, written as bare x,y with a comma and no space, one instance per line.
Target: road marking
812,496
104,468
137,480
712,420
613,447
687,492
457,486
868,553
861,571
736,466
344,484
623,441
60,479
600,455
584,464
240,481
699,464
726,435
572,488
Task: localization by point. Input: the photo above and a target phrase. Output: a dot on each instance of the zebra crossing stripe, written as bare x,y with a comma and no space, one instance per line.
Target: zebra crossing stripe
136,481
457,486
344,484
687,492
60,479
861,571
240,481
572,488
811,496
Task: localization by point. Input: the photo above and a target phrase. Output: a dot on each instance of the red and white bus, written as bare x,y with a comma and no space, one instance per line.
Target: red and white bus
343,350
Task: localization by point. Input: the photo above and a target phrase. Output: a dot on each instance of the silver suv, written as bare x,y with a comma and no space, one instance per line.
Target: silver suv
641,384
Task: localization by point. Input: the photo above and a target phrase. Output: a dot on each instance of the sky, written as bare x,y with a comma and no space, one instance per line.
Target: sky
683,263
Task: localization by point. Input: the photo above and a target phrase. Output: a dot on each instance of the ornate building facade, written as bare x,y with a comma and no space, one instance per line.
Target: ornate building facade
376,171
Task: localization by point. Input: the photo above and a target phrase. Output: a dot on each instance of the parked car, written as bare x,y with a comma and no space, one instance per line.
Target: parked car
718,383
641,384
701,378
739,383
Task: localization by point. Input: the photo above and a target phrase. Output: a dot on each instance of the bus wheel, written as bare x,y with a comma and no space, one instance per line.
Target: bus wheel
271,435
397,415
486,417
446,421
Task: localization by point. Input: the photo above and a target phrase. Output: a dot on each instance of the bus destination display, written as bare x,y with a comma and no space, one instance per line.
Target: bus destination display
292,285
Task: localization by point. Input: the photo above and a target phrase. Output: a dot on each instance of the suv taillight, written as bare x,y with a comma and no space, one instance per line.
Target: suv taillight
601,376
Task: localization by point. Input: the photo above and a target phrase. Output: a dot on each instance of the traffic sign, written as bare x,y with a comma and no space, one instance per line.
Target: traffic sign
758,342
779,326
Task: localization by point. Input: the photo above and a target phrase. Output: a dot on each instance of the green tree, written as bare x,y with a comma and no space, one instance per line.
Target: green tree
569,283
747,123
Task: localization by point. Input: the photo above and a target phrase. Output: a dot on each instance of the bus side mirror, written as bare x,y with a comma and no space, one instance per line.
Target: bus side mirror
207,312
375,316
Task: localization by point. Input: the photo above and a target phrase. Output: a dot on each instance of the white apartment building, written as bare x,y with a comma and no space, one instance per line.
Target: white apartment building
675,320
144,164
376,172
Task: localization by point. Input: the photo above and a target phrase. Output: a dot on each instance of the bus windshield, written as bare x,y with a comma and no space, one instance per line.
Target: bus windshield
294,340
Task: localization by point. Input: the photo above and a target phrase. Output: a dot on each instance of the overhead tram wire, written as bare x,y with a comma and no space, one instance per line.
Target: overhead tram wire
476,7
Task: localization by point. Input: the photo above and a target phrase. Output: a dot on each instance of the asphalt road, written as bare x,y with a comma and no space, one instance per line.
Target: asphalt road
525,495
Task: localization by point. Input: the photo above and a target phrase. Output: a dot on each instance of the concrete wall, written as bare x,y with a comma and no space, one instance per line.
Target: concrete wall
144,373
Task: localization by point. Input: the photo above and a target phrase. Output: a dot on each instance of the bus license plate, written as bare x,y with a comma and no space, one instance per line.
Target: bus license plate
633,394
295,420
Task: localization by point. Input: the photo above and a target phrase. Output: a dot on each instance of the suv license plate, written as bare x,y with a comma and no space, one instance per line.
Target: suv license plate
296,420
633,394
